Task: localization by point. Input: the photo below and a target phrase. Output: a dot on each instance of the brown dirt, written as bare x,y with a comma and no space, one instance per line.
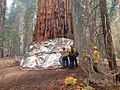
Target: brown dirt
13,78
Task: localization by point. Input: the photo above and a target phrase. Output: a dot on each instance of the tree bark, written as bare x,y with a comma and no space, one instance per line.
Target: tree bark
2,19
52,20
109,48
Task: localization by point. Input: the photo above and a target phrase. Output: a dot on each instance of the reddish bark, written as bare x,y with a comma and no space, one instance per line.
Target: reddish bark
53,20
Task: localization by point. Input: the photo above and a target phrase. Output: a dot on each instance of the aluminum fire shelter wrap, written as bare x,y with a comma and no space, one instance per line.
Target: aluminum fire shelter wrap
46,55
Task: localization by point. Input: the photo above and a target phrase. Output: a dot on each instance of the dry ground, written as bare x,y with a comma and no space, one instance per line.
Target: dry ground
13,78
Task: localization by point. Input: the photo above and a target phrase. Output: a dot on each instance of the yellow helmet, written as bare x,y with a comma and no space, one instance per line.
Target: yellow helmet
86,50
95,47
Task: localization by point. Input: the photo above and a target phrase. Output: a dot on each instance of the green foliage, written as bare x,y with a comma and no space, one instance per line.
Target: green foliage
20,17
9,36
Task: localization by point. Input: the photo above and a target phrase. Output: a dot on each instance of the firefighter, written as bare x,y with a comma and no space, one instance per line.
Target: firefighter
86,55
96,58
73,53
64,54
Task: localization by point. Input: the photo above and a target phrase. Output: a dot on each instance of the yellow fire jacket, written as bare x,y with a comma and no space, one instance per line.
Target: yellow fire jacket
69,51
64,53
96,56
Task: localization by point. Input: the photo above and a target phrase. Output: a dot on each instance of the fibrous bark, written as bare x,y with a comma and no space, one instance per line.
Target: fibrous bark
53,20
109,48
2,19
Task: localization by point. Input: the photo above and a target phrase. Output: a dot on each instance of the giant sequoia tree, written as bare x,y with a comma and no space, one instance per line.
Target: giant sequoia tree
53,20
2,19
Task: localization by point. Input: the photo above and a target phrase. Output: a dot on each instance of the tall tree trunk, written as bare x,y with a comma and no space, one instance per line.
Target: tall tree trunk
2,19
52,20
110,52
79,25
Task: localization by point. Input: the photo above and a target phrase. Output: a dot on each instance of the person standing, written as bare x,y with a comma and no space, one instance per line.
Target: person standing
96,58
86,55
64,54
73,53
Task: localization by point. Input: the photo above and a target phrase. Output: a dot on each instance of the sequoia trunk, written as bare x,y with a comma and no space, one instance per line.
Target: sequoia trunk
53,20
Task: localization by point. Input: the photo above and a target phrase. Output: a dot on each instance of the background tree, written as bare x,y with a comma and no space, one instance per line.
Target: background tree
19,23
114,13
94,24
2,19
109,48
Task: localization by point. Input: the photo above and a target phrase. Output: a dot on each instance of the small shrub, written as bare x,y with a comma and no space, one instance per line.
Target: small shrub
70,80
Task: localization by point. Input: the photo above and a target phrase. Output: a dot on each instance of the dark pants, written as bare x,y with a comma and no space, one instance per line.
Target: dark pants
95,67
76,64
65,61
73,60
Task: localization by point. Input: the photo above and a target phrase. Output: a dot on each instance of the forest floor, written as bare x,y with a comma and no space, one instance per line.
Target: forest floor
13,78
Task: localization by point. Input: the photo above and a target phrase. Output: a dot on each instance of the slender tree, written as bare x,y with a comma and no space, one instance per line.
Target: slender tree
2,19
29,16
